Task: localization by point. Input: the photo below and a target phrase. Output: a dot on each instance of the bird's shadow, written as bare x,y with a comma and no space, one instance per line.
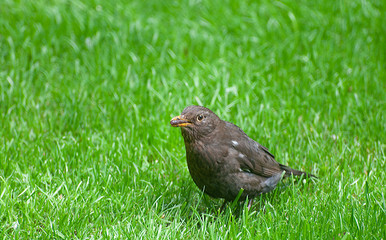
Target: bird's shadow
205,208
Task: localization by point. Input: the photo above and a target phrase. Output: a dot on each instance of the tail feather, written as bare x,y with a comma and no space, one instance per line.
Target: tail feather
289,171
270,184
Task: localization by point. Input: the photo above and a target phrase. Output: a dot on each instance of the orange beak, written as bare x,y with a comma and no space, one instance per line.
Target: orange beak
179,121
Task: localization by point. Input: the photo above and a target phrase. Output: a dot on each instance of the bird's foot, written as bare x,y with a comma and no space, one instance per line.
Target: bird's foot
250,202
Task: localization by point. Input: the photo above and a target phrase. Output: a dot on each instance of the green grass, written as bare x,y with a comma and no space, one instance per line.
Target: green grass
87,89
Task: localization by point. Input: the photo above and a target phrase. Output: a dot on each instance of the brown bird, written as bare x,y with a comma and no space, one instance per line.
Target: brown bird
222,159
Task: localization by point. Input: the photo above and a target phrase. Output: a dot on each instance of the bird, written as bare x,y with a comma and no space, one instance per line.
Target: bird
224,161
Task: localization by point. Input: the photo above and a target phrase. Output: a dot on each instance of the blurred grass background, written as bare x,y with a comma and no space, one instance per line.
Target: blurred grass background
87,89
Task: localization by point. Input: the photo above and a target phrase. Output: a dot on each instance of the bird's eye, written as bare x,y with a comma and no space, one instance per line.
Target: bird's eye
200,117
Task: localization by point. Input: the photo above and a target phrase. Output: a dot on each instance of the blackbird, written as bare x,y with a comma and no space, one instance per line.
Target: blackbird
222,159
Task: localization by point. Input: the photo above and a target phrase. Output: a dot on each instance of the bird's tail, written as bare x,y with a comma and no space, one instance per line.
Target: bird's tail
289,171
270,183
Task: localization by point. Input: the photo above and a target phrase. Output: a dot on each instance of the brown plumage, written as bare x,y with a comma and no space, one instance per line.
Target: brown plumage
222,159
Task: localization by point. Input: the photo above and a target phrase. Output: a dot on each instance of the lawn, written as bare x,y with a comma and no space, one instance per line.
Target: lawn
87,90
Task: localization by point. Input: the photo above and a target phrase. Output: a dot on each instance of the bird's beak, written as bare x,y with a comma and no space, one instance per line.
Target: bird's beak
179,121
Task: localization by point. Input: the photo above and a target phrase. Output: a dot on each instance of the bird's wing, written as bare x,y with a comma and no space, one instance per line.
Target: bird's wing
252,156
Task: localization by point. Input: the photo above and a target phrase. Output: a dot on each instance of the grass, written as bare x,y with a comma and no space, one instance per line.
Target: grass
87,89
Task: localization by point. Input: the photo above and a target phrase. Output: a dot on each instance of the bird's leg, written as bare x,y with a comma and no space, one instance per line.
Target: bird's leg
250,203
223,205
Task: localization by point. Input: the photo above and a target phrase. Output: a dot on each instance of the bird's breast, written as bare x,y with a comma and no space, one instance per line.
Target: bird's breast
202,160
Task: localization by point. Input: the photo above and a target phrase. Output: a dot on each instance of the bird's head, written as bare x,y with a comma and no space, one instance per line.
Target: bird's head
196,121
